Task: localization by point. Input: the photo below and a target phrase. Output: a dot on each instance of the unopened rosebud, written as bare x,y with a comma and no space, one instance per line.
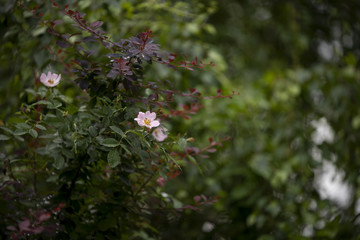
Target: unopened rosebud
160,181
191,139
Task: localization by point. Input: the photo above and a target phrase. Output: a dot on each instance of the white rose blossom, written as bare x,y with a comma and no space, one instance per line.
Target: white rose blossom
51,79
147,119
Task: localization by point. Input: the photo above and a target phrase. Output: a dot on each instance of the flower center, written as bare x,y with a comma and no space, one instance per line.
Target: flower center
147,121
51,81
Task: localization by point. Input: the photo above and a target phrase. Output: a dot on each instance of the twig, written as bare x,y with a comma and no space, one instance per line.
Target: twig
143,185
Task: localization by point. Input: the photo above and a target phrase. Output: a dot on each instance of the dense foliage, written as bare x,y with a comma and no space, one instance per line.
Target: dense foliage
77,165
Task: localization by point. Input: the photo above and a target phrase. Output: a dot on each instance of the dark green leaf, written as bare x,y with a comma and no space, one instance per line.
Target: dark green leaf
41,102
4,137
113,158
23,126
110,142
19,132
7,130
33,133
118,131
41,127
54,104
59,162
93,131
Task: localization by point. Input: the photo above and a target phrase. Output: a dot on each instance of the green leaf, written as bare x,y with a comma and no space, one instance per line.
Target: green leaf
31,91
137,133
107,223
55,104
7,130
19,132
144,156
110,142
41,102
41,127
126,149
113,158
169,157
19,138
3,137
93,131
23,126
118,131
33,133
193,160
241,191
182,143
59,162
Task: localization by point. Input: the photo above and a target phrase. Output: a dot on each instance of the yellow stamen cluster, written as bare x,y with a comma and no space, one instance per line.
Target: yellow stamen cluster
147,121
51,81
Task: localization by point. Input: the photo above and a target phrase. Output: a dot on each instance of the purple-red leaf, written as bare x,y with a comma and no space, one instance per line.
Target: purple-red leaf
89,39
56,22
24,225
11,228
96,24
211,150
62,44
44,217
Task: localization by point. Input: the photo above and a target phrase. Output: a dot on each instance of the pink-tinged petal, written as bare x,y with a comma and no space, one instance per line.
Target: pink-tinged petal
49,75
141,115
43,78
139,121
160,134
151,116
154,123
58,78
56,81
147,114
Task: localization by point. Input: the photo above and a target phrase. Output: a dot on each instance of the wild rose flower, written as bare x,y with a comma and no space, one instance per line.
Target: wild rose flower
147,119
51,79
160,134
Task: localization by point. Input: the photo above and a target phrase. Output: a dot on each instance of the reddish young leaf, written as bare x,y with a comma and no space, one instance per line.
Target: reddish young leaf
24,225
70,12
62,44
96,24
56,22
211,150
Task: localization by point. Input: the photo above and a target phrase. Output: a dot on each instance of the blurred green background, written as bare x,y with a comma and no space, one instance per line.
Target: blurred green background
291,168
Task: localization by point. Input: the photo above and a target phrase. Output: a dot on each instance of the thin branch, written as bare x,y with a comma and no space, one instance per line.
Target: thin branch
143,185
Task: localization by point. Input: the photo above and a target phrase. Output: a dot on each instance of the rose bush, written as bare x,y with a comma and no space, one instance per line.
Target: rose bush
77,166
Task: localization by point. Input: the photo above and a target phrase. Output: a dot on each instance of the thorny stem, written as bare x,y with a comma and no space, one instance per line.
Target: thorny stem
143,185
11,175
35,177
73,181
